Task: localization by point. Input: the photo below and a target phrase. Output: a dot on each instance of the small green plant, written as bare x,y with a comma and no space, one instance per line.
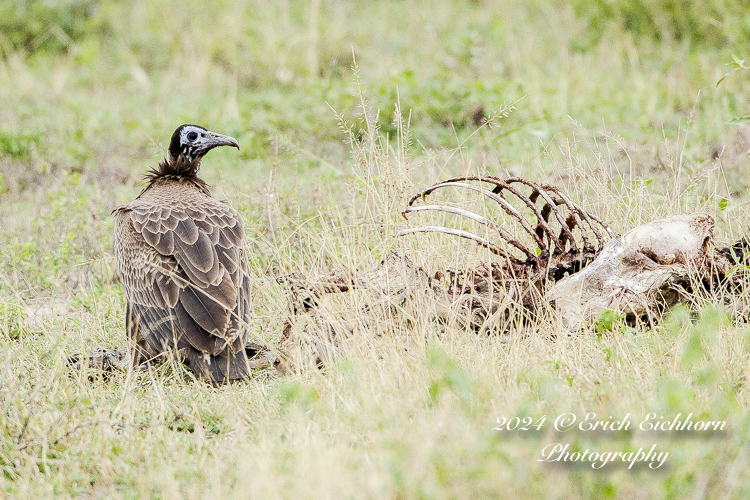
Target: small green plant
737,64
17,144
608,321
12,318
712,319
292,392
448,376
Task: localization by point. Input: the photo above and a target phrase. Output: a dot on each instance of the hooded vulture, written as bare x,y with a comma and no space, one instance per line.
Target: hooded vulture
181,257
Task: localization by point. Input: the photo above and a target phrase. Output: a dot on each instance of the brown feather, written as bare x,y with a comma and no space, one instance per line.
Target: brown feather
207,306
194,335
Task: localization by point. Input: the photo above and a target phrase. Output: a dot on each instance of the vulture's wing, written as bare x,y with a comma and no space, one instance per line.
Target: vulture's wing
185,274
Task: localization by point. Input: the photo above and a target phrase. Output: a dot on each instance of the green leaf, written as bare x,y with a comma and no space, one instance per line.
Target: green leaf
607,320
739,119
738,64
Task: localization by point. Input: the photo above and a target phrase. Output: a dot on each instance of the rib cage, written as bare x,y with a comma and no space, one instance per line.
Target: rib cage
579,239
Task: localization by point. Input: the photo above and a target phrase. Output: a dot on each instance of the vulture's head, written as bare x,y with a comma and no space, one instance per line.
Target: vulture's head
194,141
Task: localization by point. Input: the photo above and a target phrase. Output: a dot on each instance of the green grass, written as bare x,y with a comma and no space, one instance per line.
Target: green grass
343,110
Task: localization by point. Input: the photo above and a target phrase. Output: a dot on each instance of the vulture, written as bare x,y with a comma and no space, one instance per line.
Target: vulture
182,261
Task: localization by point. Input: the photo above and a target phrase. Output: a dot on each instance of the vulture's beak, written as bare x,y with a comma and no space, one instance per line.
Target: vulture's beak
209,140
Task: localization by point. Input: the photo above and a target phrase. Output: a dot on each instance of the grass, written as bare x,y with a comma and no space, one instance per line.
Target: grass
343,110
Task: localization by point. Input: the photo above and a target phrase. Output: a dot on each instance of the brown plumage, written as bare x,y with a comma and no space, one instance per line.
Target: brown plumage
182,261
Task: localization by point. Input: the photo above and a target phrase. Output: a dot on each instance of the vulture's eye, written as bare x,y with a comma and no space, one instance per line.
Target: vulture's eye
192,136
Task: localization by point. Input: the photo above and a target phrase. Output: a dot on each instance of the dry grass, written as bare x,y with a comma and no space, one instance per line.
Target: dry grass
409,409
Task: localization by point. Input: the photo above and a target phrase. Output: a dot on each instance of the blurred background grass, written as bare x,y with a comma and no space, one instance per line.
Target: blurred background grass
342,110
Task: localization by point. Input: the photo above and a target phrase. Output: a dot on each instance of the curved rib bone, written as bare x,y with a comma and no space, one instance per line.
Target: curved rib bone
463,234
474,216
509,209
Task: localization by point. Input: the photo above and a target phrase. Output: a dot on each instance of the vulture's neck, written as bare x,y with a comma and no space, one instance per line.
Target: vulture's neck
177,169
